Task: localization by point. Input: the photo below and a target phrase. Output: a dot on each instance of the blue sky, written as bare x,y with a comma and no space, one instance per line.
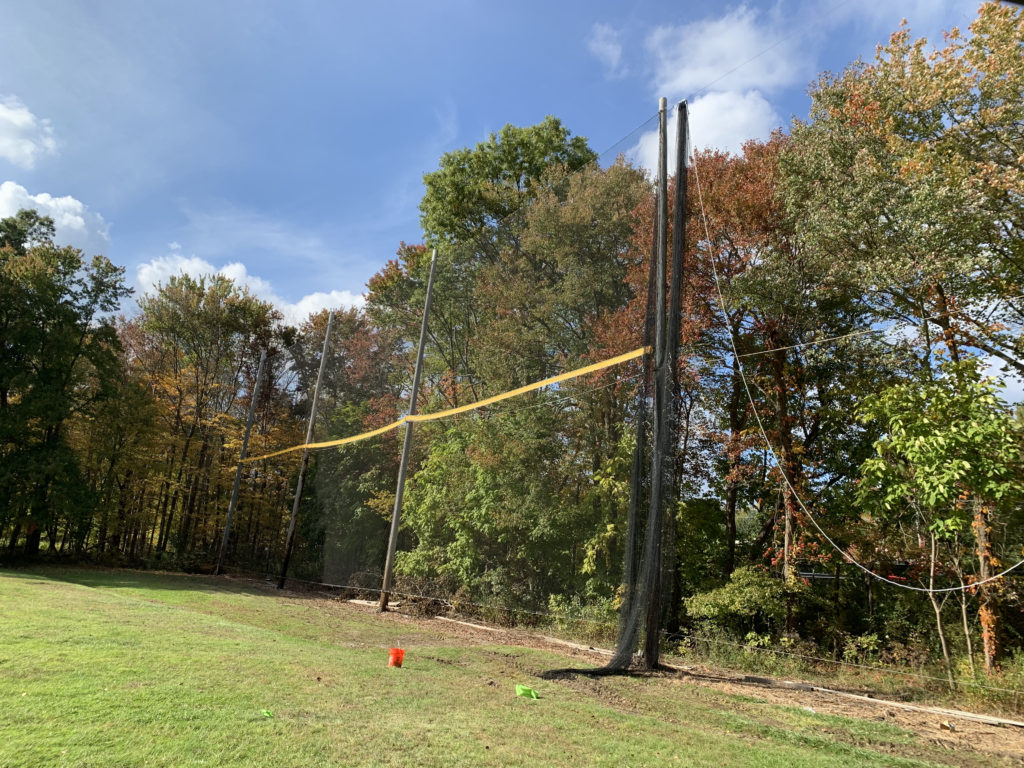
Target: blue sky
285,143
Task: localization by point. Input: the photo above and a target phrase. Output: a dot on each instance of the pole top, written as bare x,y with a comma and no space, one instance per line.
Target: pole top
662,104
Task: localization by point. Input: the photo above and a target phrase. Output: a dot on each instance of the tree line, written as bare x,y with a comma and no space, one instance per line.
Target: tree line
854,299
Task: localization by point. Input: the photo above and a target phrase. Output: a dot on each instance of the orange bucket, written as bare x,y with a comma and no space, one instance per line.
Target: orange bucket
395,656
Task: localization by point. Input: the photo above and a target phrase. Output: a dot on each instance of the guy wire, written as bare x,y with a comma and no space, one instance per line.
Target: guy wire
771,448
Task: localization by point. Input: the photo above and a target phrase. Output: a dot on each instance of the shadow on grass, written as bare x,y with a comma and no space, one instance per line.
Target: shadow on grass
109,577
571,673
117,578
568,673
745,681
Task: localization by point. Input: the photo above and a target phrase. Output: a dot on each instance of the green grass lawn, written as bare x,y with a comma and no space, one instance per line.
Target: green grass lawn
122,668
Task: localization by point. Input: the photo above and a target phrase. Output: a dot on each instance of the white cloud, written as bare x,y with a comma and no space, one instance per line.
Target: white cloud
158,271
721,121
314,302
23,136
76,224
605,45
726,120
162,268
714,52
726,66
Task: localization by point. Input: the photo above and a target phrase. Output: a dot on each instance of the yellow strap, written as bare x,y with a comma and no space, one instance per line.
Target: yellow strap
528,388
330,443
463,408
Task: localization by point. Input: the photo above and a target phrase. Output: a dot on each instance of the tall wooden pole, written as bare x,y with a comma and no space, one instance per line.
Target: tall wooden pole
629,611
675,290
290,540
396,514
662,398
673,327
241,459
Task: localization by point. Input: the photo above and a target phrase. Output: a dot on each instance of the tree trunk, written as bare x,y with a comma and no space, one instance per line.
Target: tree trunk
165,531
32,539
786,459
967,631
948,336
36,513
987,612
12,544
937,607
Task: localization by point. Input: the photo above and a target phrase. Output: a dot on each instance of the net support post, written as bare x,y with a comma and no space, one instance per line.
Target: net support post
396,515
290,539
241,459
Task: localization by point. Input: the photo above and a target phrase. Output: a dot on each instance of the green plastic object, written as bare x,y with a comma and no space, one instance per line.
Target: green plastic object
266,713
525,691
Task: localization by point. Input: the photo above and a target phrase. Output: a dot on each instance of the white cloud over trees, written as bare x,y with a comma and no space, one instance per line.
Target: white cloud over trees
23,136
159,270
76,224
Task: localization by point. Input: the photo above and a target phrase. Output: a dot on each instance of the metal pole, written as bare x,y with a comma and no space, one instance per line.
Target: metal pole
396,515
238,469
290,540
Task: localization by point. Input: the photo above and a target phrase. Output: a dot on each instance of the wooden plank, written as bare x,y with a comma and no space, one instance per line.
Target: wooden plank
577,646
469,624
930,710
371,603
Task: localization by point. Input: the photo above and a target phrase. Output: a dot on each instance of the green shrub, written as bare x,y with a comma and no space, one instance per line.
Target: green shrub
753,601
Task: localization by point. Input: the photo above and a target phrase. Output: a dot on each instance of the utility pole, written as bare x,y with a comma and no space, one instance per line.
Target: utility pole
629,611
662,402
241,460
673,327
644,580
675,290
290,540
396,514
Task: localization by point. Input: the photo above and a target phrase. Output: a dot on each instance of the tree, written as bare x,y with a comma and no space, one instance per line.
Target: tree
472,211
58,359
780,300
534,247
908,174
475,190
197,343
25,229
951,456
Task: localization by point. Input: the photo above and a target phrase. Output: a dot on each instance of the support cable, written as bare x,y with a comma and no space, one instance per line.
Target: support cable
866,331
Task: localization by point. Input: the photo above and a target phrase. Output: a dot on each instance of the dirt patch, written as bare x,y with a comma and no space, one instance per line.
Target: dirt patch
966,736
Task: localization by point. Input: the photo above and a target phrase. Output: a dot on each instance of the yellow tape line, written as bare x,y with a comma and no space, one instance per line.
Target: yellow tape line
329,443
462,408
